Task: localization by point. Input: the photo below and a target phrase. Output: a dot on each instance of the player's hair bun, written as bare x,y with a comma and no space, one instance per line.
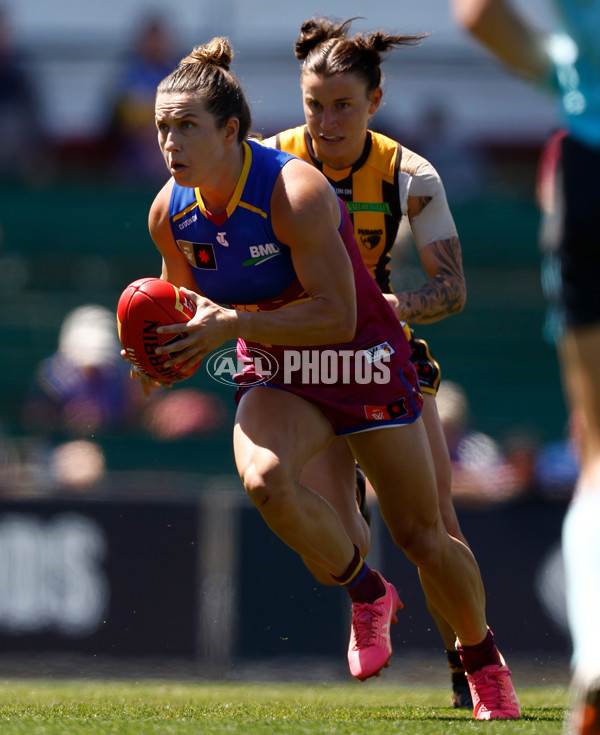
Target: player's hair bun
379,41
217,52
317,30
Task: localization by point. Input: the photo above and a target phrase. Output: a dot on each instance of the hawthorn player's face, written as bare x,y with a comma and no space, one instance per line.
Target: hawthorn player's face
190,141
337,111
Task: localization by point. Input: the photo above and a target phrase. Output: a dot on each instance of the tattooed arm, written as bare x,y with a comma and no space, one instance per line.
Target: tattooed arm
445,292
432,225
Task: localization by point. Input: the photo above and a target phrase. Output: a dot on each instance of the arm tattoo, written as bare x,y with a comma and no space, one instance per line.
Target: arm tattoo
445,291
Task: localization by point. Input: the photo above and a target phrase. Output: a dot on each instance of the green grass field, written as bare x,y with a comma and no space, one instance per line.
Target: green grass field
140,708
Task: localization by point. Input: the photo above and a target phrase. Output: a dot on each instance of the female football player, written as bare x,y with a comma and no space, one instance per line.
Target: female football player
310,302
381,183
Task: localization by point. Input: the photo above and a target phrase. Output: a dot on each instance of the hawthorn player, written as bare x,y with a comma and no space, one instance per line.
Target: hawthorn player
382,183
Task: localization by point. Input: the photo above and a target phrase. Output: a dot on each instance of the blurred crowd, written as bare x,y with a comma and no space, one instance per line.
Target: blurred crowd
130,128
121,144
124,143
518,466
489,472
23,144
80,394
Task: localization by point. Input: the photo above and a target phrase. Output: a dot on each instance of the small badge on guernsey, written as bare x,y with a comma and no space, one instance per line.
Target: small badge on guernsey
382,351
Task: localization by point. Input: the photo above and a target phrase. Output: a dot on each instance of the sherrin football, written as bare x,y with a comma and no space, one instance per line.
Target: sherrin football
145,305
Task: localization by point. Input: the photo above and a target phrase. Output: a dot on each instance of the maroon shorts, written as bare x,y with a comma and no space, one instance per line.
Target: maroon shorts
353,398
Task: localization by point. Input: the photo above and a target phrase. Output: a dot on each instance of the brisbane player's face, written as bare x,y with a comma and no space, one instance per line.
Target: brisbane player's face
189,139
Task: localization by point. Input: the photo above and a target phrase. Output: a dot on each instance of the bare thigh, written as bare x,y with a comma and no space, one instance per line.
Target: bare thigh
399,465
277,429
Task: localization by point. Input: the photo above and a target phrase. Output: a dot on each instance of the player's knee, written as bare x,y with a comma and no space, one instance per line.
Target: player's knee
267,484
422,545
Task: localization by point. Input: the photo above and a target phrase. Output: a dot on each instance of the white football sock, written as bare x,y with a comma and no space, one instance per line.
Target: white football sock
581,551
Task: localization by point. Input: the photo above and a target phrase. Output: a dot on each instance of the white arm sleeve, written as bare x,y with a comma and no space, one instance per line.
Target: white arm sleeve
435,222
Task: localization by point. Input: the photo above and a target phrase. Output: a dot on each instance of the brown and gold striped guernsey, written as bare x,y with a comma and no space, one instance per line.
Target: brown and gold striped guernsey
370,190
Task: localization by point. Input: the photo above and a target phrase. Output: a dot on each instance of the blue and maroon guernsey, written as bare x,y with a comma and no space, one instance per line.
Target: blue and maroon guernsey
237,260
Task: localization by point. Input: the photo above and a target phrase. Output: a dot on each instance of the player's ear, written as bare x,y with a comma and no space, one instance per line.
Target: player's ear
375,100
231,130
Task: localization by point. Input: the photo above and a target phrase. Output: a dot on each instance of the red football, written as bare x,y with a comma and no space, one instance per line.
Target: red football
145,305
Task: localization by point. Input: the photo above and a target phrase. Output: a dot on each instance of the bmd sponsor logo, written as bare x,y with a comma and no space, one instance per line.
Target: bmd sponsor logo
260,253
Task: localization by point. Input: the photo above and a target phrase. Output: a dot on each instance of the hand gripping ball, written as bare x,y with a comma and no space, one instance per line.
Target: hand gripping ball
145,305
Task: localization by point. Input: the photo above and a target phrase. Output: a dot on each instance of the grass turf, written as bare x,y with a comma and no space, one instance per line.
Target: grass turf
140,708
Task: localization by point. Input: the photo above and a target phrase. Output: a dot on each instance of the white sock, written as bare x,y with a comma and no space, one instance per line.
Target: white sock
581,551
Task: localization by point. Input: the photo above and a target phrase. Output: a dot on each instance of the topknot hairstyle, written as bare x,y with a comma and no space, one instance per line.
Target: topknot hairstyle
327,48
205,72
217,52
